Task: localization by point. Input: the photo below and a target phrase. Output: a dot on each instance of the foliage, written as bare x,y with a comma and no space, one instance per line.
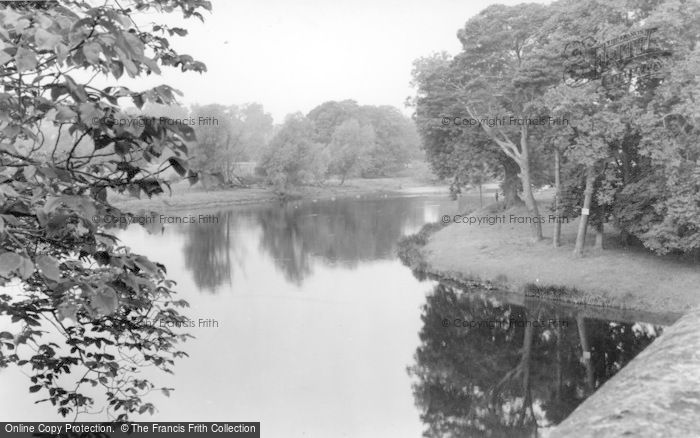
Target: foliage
395,143
64,271
292,157
454,151
637,141
349,147
227,135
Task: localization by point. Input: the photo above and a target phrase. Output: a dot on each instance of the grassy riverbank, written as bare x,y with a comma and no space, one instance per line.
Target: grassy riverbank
185,197
504,255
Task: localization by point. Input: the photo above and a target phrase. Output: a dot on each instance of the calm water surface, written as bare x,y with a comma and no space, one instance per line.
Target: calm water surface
311,325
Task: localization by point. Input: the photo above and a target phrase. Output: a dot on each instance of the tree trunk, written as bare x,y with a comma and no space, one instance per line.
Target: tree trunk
583,336
527,187
626,179
510,183
559,375
599,237
583,222
525,362
556,237
481,201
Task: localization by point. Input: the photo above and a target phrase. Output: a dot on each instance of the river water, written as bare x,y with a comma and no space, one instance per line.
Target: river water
307,322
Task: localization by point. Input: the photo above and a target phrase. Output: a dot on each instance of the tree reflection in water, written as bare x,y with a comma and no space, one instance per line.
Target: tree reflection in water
207,251
505,379
344,231
295,234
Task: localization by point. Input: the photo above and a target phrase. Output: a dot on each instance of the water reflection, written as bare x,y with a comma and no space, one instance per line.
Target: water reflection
295,235
488,368
207,254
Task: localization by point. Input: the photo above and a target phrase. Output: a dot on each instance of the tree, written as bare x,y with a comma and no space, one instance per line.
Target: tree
292,157
620,134
329,115
499,78
396,141
349,147
451,149
228,135
113,308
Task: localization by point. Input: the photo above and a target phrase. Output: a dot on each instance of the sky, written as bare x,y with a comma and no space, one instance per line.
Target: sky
294,55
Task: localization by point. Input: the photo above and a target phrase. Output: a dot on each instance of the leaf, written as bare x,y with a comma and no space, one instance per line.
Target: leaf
152,64
67,310
46,40
26,268
9,261
117,69
179,165
105,301
77,91
90,114
146,265
4,57
193,177
151,187
61,52
130,67
49,267
92,52
64,113
122,147
34,388
25,59
11,18
138,100
134,45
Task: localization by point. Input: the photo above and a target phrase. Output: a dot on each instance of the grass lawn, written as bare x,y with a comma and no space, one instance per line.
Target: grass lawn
618,276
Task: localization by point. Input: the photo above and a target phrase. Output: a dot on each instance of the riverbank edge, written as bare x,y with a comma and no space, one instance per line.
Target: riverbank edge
411,253
665,372
258,195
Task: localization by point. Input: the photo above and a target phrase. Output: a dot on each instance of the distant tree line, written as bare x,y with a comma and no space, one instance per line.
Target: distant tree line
336,139
341,139
629,154
225,135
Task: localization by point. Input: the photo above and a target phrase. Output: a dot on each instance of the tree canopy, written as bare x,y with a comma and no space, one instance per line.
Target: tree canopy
627,154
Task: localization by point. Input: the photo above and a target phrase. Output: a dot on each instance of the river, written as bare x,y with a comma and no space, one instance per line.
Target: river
306,321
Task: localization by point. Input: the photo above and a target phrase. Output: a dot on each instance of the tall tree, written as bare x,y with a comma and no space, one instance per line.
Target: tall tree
500,79
452,149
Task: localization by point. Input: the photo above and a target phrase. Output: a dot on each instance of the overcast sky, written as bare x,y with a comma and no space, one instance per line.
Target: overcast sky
293,55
